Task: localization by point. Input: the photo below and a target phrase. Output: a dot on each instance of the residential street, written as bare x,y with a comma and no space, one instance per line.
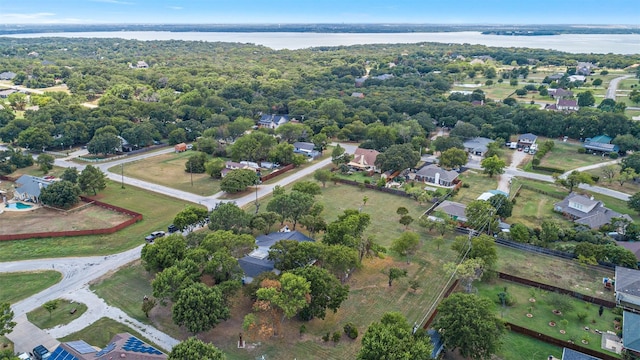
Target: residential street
613,86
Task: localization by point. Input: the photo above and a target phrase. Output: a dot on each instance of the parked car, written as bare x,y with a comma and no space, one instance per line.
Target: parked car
526,149
172,228
41,353
154,235
24,356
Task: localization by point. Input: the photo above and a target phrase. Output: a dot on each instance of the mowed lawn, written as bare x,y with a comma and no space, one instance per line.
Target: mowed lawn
62,315
158,211
102,331
515,345
477,184
20,285
169,170
532,208
564,155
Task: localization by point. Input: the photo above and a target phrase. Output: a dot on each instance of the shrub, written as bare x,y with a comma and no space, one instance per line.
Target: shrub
582,150
351,330
617,318
466,185
336,336
613,155
381,182
367,181
303,329
326,337
535,161
581,315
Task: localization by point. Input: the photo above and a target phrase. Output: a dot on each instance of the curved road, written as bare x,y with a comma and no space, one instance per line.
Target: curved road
613,86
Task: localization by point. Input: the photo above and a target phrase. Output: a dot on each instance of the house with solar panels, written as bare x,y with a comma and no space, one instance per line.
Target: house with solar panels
122,346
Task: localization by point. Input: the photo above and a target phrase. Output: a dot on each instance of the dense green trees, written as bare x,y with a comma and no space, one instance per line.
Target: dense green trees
199,308
238,180
92,179
394,337
61,194
453,158
398,157
6,319
194,348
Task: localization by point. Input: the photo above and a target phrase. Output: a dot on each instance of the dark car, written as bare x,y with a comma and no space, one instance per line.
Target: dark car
172,228
154,235
41,353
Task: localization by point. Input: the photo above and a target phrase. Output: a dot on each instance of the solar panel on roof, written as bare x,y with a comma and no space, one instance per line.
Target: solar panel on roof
81,346
106,349
61,354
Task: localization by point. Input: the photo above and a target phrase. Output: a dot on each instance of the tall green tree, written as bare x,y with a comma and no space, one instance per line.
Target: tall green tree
92,178
238,180
396,273
194,348
634,202
45,162
480,336
164,252
574,180
327,293
70,174
493,165
292,205
406,245
51,305
586,98
60,194
394,337
481,216
323,176
6,319
453,158
105,143
398,157
199,308
291,297
238,245
228,216
168,283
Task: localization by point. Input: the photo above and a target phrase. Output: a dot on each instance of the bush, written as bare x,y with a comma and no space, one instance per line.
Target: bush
326,337
613,155
581,315
466,185
367,181
582,151
351,330
303,329
535,161
336,336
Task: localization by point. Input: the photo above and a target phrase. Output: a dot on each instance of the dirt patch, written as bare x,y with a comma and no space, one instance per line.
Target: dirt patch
45,220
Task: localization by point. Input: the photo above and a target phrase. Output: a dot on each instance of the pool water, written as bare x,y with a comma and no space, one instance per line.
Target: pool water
18,206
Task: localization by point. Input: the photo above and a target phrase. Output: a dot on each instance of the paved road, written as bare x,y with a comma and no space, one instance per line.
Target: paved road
613,86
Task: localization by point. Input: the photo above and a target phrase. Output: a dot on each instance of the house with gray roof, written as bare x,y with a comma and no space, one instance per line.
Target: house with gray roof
7,75
29,188
5,93
434,174
631,332
527,139
258,261
585,68
560,93
305,148
455,210
272,121
587,211
567,105
477,146
627,288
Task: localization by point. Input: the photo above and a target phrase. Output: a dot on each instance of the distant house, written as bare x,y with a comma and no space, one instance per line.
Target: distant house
587,211
527,139
273,121
5,93
358,95
477,146
232,165
491,193
585,68
560,93
573,78
568,354
454,210
7,75
180,147
364,160
360,81
305,148
600,144
555,77
29,188
383,77
121,346
142,65
567,105
433,174
257,261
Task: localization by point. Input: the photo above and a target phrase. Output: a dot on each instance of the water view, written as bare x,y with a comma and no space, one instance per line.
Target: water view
573,43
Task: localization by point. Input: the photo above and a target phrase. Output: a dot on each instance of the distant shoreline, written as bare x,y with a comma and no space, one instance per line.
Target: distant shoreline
506,30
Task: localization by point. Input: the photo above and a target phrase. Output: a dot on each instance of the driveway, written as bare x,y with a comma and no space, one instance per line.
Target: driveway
613,86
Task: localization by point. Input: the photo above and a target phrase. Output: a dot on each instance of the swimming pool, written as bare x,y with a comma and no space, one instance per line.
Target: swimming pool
18,206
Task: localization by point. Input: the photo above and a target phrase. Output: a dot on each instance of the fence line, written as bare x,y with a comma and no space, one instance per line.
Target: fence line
435,310
277,172
551,340
575,294
135,217
531,188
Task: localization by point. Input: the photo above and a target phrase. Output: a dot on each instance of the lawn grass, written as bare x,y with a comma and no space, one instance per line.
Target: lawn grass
41,318
629,187
478,183
564,155
6,344
126,288
102,331
158,211
533,208
169,170
521,347
20,285
566,274
542,313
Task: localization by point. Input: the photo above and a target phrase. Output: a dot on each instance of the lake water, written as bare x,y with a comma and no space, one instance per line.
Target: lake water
572,43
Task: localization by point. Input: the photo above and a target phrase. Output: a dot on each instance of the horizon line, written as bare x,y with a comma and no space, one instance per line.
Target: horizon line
326,23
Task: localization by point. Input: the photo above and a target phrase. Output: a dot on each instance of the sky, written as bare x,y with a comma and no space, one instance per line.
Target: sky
625,12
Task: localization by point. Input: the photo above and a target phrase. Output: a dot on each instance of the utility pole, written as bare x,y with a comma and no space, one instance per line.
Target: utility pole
122,174
191,170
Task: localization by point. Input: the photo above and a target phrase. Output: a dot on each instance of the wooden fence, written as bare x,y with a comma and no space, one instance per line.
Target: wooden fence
551,340
135,217
577,295
372,187
435,311
277,172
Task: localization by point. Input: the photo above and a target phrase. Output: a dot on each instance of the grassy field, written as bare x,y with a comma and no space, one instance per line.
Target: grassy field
629,187
520,347
158,212
168,170
478,183
102,331
533,208
559,156
544,320
17,286
41,318
554,271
